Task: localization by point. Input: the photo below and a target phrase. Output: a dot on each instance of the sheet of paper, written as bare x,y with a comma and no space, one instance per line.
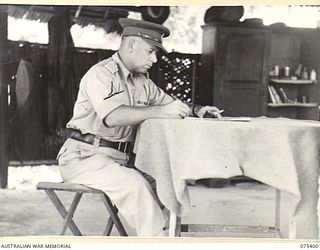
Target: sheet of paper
226,118
236,119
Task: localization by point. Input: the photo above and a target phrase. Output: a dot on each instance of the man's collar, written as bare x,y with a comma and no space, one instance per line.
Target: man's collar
125,72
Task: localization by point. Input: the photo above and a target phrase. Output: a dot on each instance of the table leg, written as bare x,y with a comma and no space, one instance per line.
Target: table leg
277,214
172,224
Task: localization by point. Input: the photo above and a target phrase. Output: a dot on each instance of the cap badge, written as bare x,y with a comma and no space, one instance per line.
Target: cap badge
147,37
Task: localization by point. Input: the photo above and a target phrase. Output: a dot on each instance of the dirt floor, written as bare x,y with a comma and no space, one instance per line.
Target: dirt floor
26,211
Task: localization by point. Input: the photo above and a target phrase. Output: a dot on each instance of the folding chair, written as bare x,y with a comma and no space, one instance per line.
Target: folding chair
51,187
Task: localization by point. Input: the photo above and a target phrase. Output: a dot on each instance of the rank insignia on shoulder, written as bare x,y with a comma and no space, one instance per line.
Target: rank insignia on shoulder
112,66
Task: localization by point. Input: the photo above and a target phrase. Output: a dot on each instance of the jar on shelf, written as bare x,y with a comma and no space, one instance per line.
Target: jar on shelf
304,99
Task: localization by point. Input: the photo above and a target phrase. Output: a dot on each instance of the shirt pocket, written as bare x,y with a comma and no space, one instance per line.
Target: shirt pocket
85,105
82,108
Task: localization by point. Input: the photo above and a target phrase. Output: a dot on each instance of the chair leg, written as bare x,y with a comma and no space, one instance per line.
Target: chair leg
113,214
109,227
71,211
63,212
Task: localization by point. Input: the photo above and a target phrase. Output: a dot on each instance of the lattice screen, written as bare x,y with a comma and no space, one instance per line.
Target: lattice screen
177,74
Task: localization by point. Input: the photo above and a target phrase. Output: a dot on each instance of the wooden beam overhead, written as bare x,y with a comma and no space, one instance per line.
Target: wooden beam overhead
45,13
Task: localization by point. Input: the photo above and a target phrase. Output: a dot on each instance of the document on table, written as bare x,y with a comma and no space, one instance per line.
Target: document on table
226,118
235,119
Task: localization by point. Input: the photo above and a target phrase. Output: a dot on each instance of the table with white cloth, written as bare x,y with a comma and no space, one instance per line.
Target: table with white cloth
280,152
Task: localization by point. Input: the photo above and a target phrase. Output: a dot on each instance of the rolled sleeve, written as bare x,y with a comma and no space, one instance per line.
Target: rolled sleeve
102,91
110,104
157,95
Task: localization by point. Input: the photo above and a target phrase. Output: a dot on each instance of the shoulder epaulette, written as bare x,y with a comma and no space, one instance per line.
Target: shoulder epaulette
112,66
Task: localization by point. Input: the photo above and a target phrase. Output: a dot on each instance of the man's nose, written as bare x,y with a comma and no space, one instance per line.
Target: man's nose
154,57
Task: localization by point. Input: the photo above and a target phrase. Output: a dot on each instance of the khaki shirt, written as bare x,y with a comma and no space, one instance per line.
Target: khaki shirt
106,86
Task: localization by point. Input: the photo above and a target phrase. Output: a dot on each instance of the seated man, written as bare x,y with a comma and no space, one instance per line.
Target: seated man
114,96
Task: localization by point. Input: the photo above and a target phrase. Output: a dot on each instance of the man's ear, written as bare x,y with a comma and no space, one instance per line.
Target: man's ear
131,44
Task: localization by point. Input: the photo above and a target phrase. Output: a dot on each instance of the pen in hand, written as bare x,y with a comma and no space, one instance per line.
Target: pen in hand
218,112
214,114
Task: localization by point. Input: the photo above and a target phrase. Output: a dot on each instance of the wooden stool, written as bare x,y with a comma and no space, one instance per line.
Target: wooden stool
51,187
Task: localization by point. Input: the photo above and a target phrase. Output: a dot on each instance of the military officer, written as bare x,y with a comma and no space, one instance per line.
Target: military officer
114,96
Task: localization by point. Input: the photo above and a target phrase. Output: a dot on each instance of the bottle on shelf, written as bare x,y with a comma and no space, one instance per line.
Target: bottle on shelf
304,74
313,75
275,71
298,70
286,71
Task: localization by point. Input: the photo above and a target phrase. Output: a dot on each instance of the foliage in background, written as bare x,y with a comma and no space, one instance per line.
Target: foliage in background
185,23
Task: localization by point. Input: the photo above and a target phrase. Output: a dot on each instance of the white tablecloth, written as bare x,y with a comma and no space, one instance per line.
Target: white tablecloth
282,153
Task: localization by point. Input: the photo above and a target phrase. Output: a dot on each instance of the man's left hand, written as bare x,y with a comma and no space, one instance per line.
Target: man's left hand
211,111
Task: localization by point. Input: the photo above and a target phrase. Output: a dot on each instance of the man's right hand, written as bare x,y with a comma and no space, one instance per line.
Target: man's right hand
174,110
128,115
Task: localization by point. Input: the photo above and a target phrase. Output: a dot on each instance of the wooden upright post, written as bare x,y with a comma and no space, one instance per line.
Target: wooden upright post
3,96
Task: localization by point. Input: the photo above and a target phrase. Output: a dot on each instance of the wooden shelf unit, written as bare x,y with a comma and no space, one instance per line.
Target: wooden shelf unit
291,47
289,81
236,61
